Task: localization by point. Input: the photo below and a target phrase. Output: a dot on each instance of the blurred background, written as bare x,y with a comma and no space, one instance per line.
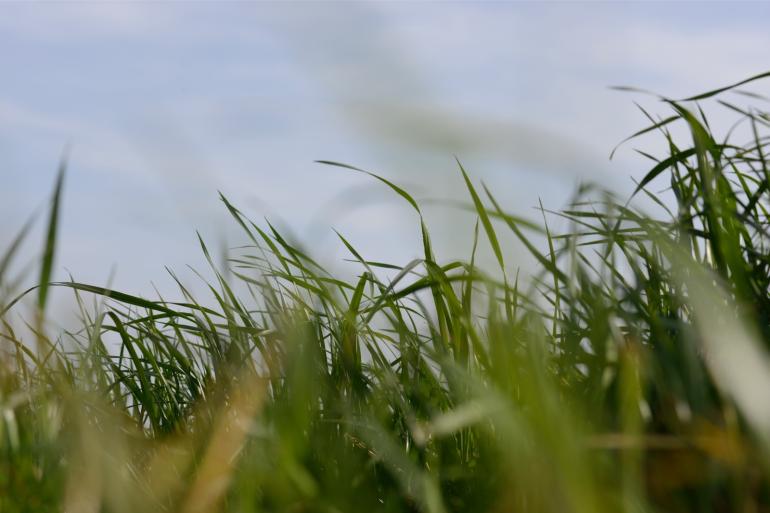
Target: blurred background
163,104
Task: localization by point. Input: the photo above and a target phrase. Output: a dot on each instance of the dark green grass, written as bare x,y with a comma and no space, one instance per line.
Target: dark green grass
629,374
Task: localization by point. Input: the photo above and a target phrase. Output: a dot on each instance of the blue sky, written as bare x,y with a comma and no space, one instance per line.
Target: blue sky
164,104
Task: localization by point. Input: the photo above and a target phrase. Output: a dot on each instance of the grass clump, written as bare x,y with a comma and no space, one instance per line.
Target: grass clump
629,374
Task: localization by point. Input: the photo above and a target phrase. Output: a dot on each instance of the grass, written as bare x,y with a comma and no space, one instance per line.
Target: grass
630,373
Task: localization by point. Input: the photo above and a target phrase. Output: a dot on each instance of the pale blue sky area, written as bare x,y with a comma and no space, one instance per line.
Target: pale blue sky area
163,104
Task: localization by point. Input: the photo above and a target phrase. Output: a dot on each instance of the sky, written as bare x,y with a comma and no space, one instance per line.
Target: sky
162,105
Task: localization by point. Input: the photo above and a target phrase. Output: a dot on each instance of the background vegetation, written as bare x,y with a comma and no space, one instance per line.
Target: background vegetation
630,374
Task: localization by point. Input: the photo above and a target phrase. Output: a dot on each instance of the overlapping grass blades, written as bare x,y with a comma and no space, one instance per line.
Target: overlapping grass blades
629,374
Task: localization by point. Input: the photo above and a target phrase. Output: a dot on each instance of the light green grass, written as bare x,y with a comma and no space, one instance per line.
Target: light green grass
630,374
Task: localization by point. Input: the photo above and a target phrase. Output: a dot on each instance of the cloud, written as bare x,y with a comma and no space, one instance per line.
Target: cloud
167,102
64,20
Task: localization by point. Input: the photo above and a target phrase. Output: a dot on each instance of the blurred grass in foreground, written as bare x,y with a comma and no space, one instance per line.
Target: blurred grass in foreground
630,374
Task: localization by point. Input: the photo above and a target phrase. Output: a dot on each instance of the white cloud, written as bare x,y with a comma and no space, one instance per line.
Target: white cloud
243,96
64,20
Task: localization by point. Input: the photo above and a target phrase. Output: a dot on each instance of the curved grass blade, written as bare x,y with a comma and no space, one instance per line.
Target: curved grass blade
401,192
482,211
50,240
5,262
715,92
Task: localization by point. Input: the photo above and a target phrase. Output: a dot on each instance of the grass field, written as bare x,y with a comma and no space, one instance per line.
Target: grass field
631,373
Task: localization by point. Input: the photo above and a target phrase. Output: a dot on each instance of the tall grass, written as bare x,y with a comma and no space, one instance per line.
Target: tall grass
630,374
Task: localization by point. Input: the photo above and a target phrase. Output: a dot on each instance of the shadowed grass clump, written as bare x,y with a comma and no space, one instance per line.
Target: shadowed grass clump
630,373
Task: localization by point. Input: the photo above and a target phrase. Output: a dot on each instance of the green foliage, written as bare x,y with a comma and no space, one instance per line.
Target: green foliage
629,374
